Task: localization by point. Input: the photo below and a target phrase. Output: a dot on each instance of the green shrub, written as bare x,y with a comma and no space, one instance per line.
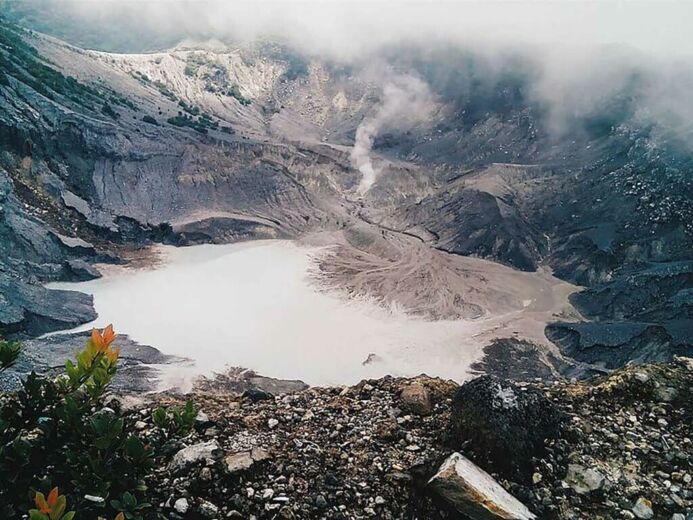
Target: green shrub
108,110
175,421
192,110
235,92
130,507
58,431
162,88
150,120
202,124
22,61
9,352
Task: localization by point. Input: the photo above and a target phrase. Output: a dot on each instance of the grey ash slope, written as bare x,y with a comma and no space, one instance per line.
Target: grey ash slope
254,142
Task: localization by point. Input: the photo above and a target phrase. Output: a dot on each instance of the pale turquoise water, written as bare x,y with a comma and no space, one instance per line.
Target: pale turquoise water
253,305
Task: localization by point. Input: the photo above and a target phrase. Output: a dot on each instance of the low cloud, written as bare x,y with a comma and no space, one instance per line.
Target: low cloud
349,27
578,58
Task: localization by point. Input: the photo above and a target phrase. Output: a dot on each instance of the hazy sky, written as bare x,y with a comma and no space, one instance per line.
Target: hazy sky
347,26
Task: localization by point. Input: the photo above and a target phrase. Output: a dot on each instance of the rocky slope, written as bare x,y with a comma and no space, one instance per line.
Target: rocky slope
103,153
614,447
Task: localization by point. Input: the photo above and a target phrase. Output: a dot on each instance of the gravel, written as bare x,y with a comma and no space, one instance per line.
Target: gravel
624,450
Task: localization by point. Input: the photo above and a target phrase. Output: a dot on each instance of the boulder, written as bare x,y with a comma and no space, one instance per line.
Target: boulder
27,308
416,399
194,454
256,394
238,462
244,460
643,509
474,493
208,509
181,505
583,480
502,426
77,270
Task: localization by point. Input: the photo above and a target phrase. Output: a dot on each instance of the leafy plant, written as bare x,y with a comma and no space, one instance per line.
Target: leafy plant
58,430
175,420
51,508
9,353
129,506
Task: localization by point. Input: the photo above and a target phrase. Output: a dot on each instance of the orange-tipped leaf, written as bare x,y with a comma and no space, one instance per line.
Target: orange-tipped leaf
53,497
41,503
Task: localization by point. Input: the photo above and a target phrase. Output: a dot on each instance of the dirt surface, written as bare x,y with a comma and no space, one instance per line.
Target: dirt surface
402,271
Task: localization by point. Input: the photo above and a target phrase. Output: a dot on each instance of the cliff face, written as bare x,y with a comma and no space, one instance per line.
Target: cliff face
211,144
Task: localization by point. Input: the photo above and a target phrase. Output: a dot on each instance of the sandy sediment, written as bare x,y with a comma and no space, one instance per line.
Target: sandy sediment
402,271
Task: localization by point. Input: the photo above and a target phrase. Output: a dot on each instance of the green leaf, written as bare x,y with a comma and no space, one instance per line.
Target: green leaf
9,352
129,500
159,417
35,514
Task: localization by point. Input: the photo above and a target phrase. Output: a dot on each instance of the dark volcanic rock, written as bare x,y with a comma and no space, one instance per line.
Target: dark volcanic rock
79,271
241,381
48,355
518,360
613,344
501,425
660,292
479,223
33,309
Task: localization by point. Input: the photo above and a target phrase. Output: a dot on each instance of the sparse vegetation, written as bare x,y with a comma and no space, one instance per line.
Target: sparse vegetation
193,64
201,124
163,89
190,109
235,92
108,110
149,119
174,421
141,76
21,61
123,101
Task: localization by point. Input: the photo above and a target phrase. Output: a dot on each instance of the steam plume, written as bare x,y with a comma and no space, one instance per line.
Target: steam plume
407,101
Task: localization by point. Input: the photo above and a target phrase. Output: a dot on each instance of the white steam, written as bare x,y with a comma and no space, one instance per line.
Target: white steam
406,102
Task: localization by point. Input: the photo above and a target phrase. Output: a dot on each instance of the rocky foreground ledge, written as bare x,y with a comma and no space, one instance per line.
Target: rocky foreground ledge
616,447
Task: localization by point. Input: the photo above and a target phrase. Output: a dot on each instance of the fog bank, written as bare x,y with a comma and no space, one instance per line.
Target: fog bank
350,27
